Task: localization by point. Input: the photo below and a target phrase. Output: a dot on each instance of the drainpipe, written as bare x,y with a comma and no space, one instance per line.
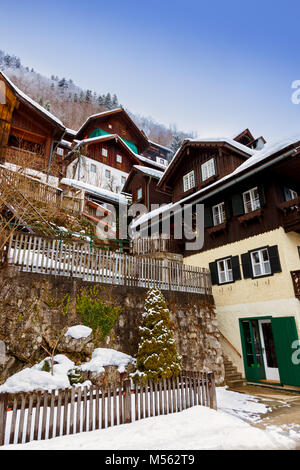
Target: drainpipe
148,193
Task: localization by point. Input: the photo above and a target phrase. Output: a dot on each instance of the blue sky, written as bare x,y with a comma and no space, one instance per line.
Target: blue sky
211,67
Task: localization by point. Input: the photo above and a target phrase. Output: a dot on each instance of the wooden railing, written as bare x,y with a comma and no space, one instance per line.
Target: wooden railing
39,191
291,215
31,253
43,415
148,245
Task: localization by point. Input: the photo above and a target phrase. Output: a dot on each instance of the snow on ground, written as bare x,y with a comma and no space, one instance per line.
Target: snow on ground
197,428
34,378
107,357
240,405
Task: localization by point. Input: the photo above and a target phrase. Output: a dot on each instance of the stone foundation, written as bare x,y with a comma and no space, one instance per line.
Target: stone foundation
33,306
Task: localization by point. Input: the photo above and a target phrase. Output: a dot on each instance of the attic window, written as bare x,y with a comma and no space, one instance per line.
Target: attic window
189,181
208,169
119,158
104,152
110,126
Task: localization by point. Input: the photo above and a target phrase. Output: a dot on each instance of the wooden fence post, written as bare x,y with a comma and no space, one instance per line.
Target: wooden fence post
212,391
3,415
127,401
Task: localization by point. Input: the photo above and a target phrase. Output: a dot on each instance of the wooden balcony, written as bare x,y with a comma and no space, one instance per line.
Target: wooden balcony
148,246
290,218
296,281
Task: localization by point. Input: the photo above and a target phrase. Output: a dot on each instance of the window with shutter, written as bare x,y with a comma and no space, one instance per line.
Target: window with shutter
219,214
251,200
274,259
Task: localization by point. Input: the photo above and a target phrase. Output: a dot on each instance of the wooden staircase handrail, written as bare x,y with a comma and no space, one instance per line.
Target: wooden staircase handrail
230,344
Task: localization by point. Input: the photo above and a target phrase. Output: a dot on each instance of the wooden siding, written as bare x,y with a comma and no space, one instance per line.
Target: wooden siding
113,149
194,157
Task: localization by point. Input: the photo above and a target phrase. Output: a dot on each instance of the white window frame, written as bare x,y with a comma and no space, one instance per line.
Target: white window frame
225,275
139,193
189,181
208,169
107,173
119,158
293,194
104,152
219,214
59,151
254,202
261,267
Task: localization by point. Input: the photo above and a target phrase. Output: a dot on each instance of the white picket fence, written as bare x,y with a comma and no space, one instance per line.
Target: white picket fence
30,253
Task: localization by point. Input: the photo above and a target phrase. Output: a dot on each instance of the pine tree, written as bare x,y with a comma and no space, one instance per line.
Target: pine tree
176,142
108,102
157,355
115,102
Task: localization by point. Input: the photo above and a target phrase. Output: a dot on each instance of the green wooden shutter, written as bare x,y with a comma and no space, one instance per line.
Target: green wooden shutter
262,197
237,205
274,259
208,219
214,273
247,266
285,339
236,271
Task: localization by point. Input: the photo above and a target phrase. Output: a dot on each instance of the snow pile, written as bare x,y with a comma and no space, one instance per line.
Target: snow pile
78,331
196,428
35,378
241,405
102,357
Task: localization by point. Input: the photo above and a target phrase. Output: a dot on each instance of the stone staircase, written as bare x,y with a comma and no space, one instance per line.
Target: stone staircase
233,378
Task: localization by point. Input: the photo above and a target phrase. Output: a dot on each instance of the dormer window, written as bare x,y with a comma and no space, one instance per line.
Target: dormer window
189,181
208,169
251,200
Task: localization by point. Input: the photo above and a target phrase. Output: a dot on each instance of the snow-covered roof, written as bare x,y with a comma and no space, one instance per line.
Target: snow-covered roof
150,162
226,140
96,190
103,113
149,171
31,101
159,145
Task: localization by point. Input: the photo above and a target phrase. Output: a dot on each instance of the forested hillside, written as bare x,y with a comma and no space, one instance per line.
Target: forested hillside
72,104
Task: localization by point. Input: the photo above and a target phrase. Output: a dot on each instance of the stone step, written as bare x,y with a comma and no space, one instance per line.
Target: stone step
234,383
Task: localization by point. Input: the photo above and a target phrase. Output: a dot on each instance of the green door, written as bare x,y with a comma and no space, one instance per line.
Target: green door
287,347
252,352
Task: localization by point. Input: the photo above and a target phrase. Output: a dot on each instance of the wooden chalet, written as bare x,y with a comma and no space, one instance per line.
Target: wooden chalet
142,185
251,245
29,134
158,153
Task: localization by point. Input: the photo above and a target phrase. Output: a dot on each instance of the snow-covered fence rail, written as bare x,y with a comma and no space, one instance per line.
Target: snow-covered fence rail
35,254
43,415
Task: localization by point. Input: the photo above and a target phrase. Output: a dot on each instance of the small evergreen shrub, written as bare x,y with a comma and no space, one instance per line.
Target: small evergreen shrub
96,314
74,376
157,355
47,366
